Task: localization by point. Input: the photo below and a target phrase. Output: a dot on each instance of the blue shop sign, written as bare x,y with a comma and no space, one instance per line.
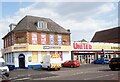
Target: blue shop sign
51,47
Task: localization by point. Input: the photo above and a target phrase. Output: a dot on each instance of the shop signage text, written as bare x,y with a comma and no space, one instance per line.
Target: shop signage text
77,45
115,48
22,47
51,47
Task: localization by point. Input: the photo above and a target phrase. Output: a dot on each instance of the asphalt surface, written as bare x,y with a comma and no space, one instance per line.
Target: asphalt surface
84,72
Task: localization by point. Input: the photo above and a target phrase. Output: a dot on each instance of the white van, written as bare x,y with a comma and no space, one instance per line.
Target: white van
52,62
3,67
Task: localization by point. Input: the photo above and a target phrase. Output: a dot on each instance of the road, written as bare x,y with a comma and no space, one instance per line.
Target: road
84,72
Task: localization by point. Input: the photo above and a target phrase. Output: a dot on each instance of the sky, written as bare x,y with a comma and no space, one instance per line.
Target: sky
82,17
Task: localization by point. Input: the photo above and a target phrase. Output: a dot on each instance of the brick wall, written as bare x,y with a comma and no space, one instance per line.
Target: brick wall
26,37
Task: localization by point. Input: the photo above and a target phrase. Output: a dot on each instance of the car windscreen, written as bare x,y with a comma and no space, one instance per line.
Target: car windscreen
114,60
2,64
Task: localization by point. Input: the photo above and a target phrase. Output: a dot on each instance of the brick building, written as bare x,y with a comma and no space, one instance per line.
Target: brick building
34,37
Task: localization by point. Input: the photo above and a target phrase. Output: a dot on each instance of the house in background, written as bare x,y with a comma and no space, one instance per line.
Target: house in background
105,43
111,35
0,52
32,38
108,36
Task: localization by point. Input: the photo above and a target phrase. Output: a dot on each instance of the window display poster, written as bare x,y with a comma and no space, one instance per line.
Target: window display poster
59,39
34,38
60,53
51,39
52,52
43,39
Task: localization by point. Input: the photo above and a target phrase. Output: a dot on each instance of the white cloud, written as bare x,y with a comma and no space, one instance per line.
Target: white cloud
82,23
106,8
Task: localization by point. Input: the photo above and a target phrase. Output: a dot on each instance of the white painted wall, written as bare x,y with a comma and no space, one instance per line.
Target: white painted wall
66,56
16,61
27,55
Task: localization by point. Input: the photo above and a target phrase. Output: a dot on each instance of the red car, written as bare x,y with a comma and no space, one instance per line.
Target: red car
71,63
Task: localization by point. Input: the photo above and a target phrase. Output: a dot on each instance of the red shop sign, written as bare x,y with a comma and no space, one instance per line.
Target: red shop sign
77,45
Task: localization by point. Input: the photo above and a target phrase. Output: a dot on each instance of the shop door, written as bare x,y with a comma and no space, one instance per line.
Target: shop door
21,61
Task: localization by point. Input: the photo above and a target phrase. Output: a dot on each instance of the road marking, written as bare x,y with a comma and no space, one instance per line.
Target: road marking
98,77
13,78
23,78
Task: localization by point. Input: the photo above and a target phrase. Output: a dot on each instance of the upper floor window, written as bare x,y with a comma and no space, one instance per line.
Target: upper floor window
12,39
51,39
43,38
59,39
41,24
34,38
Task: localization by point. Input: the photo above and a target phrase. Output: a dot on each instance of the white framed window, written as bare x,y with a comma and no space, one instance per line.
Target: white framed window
41,24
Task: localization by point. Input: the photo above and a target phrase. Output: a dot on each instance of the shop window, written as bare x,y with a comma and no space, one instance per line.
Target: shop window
12,58
29,59
43,53
52,52
34,57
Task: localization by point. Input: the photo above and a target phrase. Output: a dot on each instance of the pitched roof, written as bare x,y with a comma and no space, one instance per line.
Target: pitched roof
29,23
109,35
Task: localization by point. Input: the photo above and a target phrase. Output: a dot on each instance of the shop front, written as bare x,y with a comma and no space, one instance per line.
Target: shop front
87,52
30,56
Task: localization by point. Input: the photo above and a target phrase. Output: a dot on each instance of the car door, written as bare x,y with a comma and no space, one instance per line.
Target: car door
66,63
119,63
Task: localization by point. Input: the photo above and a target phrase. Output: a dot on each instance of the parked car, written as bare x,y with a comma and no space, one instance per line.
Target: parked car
71,63
3,67
101,61
11,67
114,63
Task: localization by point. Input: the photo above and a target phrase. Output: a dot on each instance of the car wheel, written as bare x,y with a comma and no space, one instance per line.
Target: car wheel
6,74
103,63
71,66
58,68
48,68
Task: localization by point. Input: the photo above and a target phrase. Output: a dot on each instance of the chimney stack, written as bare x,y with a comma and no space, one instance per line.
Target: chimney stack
68,30
12,26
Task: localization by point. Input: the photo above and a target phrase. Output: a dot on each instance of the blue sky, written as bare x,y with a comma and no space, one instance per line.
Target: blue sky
82,18
9,8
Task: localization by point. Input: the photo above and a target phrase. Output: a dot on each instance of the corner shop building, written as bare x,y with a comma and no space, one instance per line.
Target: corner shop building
32,38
